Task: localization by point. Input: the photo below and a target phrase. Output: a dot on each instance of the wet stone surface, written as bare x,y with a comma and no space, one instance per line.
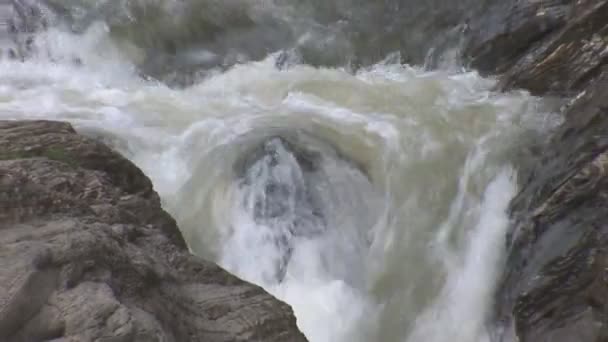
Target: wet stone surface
87,253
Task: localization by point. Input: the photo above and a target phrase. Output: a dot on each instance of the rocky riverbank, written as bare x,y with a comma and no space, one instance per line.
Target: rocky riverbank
555,285
87,253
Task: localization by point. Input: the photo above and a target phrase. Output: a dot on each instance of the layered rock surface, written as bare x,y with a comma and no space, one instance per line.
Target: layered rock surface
555,288
87,253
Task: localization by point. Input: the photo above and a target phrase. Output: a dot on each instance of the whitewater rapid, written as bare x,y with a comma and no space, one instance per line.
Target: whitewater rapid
406,199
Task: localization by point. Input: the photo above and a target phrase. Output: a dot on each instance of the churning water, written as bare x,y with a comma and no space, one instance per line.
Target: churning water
373,202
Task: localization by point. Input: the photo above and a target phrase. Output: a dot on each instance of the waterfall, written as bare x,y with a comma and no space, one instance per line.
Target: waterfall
368,193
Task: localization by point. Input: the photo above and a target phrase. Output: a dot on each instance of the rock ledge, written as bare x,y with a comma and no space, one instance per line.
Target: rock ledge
88,254
555,285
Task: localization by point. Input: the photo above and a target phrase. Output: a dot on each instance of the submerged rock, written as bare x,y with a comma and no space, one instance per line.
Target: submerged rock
278,194
555,285
87,253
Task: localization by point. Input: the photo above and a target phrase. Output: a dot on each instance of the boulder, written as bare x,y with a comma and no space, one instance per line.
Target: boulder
87,253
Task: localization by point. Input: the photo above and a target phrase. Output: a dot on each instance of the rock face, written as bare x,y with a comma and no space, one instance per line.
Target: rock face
88,254
555,288
181,42
550,46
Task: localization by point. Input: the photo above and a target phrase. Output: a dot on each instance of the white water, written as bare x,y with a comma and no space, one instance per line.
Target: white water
415,177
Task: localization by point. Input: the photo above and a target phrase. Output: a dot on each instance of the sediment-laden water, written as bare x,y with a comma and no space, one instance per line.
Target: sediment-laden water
373,201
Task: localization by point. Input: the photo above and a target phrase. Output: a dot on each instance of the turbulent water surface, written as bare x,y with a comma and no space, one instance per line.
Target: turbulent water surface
374,202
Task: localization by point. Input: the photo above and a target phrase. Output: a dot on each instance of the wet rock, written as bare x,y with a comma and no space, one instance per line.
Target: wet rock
566,61
555,285
277,192
182,42
504,31
87,253
550,46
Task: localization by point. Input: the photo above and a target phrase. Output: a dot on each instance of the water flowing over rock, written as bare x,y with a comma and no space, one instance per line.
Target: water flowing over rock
277,194
87,253
182,42
385,222
19,20
554,288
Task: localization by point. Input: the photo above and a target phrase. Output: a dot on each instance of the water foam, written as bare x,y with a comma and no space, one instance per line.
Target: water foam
434,147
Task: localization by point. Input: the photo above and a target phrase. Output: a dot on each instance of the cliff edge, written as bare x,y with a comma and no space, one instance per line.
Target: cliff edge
555,285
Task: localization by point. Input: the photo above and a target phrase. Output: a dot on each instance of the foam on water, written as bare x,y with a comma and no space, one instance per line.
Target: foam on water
458,313
414,180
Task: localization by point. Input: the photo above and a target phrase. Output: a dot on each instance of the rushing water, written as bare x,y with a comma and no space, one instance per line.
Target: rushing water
373,202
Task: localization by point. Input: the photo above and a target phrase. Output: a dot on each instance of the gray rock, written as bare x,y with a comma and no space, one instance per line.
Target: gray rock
87,253
555,285
569,58
547,46
504,31
182,42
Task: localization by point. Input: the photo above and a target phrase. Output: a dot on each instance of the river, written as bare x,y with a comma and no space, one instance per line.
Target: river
373,201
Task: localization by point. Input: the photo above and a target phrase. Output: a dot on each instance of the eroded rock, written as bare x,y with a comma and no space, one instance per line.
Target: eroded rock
547,46
504,31
87,253
555,286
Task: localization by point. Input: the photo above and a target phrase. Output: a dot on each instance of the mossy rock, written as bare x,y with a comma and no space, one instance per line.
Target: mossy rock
51,153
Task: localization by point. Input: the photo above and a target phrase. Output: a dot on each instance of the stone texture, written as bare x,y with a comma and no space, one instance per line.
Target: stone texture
565,61
555,285
88,254
505,30
544,46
